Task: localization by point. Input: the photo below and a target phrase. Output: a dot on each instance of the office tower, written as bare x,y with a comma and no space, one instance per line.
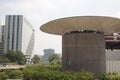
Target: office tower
1,39
47,53
0,32
19,35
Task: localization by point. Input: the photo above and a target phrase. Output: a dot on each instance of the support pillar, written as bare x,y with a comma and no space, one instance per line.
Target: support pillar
84,51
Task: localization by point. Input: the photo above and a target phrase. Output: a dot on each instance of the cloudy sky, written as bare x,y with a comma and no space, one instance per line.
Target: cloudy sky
38,12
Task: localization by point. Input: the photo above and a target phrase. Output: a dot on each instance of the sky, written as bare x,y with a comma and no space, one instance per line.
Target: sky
39,12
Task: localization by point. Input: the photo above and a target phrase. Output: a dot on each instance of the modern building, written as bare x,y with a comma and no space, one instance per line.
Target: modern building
1,40
83,41
113,52
0,30
19,35
113,61
47,53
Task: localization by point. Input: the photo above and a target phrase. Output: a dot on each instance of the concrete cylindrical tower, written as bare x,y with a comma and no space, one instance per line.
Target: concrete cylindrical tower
84,51
83,46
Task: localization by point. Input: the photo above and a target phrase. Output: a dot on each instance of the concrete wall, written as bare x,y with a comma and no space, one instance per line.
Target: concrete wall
84,51
113,61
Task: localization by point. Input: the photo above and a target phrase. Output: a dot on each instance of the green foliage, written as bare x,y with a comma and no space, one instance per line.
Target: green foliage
7,71
15,74
110,76
54,73
46,72
11,55
36,59
15,56
20,57
3,76
83,75
54,58
1,59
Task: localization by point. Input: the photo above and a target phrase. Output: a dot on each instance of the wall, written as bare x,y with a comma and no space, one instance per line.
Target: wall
27,38
113,61
84,51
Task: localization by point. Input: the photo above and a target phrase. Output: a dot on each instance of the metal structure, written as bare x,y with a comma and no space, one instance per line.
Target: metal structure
112,41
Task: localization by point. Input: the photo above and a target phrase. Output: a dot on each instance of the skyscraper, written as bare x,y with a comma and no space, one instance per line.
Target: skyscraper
19,35
1,39
0,32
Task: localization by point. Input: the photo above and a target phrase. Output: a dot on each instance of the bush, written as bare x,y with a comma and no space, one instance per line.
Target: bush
15,74
3,76
110,76
15,56
84,75
54,73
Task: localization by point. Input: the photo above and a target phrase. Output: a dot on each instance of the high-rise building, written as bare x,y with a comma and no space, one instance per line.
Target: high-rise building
0,32
47,54
19,35
1,40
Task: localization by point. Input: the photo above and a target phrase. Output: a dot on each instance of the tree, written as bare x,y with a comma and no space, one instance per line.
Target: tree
11,55
48,72
53,57
20,57
15,74
36,59
3,76
15,56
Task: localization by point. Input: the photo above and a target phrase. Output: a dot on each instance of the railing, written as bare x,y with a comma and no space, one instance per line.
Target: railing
2,67
112,38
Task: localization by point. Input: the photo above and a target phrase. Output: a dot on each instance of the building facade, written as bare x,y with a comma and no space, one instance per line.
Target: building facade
1,40
47,53
19,35
113,61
